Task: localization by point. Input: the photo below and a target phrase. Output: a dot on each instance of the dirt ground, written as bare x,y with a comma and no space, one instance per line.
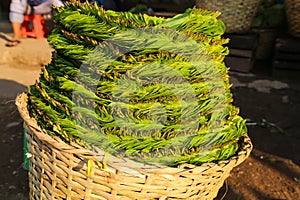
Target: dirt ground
271,172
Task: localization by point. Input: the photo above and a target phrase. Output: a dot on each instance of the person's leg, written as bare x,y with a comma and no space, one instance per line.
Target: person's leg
16,26
16,17
17,30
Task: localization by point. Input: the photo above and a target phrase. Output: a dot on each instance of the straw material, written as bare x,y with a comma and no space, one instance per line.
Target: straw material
59,171
293,16
236,14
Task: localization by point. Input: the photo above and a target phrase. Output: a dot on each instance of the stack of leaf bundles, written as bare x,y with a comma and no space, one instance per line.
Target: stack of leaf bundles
144,87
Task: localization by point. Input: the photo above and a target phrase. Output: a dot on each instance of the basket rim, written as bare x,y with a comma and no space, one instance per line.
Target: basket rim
124,164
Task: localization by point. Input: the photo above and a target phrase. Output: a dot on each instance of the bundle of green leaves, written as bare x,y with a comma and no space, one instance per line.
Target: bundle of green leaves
147,88
270,15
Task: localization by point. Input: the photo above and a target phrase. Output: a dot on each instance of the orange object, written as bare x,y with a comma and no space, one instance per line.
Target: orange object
39,27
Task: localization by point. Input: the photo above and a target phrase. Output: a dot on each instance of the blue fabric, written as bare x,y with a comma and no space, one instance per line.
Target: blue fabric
35,2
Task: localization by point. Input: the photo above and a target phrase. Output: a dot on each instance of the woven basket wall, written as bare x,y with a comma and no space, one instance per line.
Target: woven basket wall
236,14
293,16
59,171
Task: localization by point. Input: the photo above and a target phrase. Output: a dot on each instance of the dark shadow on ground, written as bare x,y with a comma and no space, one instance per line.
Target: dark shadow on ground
276,143
13,177
10,89
4,37
226,193
283,137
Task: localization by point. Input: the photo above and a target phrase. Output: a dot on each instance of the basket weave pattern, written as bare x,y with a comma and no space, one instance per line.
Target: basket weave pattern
236,14
293,16
59,171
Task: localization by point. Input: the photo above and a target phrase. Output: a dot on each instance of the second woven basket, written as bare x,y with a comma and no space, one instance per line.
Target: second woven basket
293,16
236,14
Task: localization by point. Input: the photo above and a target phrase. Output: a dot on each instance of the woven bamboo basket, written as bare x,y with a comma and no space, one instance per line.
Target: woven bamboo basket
59,171
293,16
236,14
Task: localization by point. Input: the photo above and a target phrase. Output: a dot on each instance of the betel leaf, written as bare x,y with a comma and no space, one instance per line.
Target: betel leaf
144,87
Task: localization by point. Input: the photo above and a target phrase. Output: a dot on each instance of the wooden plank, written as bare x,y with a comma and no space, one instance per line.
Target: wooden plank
287,56
279,64
239,64
288,44
241,53
286,74
242,41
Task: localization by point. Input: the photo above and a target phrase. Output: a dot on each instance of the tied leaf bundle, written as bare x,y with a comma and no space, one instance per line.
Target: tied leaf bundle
143,87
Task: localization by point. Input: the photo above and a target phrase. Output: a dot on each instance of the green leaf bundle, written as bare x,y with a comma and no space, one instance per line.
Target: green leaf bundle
147,88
